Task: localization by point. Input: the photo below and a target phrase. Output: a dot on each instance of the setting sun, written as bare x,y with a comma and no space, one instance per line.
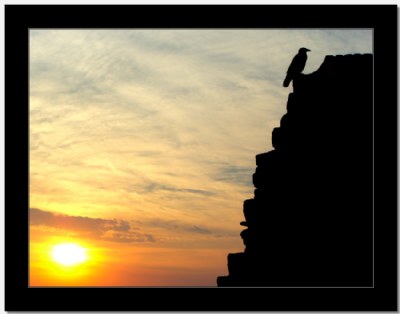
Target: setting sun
69,254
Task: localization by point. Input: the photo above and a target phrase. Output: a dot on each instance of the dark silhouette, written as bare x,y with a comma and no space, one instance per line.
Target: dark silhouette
310,222
297,66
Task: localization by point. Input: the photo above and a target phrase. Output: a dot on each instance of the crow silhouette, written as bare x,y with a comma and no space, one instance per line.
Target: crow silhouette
297,66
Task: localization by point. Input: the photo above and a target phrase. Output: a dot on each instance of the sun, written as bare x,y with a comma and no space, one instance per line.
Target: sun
69,254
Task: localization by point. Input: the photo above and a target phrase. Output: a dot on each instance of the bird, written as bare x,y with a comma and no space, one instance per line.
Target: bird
297,66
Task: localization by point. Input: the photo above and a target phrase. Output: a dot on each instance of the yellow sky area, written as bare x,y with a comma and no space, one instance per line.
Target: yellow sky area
123,176
123,264
74,197
167,170
193,232
214,212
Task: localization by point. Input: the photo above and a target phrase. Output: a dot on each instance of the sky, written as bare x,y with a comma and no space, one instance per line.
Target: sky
143,144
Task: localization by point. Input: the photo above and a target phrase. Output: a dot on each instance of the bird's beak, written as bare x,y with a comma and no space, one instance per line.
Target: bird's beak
308,49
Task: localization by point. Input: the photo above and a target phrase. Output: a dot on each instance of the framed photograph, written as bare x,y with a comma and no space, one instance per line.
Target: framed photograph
201,157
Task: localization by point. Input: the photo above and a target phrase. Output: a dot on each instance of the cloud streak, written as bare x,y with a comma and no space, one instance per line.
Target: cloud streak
177,226
93,228
153,186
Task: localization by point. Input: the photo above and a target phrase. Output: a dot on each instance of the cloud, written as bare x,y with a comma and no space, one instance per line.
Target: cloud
177,226
235,174
153,186
94,228
198,229
188,228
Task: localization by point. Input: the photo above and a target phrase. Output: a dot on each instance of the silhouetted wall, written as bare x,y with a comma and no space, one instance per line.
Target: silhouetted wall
310,222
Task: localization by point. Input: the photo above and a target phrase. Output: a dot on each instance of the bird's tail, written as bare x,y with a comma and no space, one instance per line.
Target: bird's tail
287,80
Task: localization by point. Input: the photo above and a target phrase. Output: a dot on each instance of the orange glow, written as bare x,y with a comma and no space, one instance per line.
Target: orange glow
121,264
56,262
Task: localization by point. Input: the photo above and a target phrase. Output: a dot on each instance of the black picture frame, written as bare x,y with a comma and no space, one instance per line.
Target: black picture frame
20,18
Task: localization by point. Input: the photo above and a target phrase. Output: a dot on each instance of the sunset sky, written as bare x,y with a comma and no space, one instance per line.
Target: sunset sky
143,144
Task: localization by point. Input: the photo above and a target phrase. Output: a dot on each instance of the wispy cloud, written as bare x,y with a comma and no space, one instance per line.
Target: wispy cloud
87,227
177,226
151,187
235,174
189,228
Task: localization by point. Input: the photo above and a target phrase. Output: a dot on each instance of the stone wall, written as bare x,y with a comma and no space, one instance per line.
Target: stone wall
310,222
